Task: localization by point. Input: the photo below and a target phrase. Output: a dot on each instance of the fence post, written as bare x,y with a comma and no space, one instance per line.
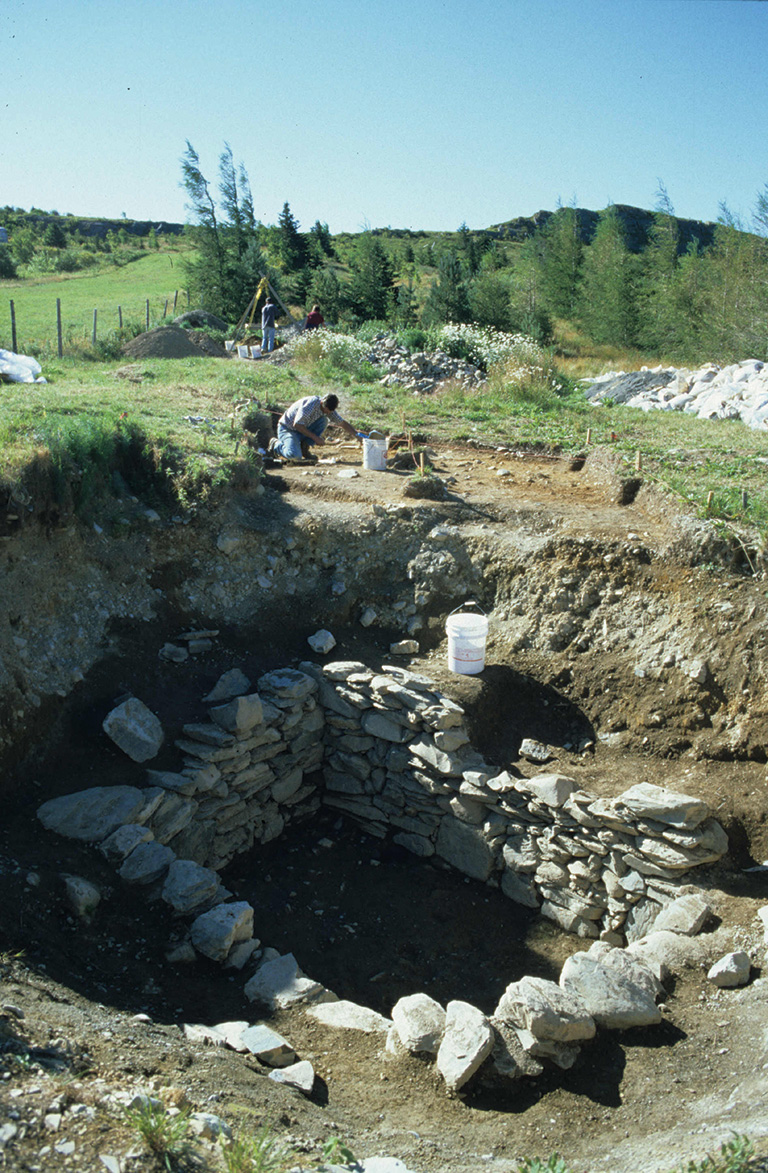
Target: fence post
58,326
165,311
14,347
147,313
95,313
175,299
120,316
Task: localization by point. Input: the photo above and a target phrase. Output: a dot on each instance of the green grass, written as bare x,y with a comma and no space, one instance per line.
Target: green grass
155,275
182,428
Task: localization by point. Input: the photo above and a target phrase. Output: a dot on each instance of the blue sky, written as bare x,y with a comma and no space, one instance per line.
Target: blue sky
410,113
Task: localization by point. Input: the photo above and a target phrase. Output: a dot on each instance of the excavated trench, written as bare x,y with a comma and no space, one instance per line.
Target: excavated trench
617,650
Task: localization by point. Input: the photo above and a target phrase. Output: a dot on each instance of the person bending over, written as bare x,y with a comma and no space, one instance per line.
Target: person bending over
303,424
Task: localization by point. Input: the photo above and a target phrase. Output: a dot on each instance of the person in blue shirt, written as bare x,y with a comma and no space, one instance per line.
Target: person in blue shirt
268,326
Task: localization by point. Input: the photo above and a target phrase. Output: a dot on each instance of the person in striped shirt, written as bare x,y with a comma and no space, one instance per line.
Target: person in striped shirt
302,425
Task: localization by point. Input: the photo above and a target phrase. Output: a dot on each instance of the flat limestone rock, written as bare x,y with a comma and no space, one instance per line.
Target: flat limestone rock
147,863
188,886
300,1076
121,842
134,729
546,1010
467,1043
686,915
238,715
731,970
214,933
465,848
612,998
268,1046
280,983
419,1021
349,1016
230,684
653,802
92,814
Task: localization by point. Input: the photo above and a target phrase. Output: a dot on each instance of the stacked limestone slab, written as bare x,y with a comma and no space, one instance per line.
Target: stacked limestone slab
392,752
399,761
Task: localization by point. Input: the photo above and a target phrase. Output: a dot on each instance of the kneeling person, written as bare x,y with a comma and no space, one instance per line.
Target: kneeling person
303,424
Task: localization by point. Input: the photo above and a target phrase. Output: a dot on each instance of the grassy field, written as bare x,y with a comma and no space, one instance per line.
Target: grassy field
156,276
184,418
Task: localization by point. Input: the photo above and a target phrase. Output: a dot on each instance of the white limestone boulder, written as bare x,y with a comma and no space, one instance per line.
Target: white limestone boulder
279,983
420,1022
213,933
546,1010
92,815
300,1076
687,915
731,970
134,729
613,998
467,1043
189,886
349,1016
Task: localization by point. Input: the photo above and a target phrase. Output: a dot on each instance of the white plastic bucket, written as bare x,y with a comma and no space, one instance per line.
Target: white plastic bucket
255,351
229,344
375,452
244,352
467,633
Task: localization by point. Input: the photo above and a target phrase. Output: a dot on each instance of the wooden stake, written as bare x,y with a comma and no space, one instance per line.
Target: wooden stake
175,299
165,311
589,435
95,315
14,346
638,460
147,313
58,327
744,499
421,462
710,496
120,316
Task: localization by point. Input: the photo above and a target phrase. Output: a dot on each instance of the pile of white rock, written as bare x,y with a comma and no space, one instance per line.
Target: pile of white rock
738,391
420,372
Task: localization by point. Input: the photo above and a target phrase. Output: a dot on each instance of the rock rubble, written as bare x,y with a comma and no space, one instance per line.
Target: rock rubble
420,372
738,391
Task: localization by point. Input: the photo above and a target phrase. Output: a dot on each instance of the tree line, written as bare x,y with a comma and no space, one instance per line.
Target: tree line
686,303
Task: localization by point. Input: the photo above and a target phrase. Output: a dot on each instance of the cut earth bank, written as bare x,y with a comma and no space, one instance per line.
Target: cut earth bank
623,636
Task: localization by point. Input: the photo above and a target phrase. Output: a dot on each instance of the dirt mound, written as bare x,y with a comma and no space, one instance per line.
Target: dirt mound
164,342
208,345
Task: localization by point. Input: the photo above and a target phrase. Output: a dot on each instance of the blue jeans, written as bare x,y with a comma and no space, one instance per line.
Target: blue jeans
267,339
289,442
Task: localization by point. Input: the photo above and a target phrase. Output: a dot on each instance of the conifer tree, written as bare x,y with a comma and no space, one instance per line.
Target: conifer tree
607,304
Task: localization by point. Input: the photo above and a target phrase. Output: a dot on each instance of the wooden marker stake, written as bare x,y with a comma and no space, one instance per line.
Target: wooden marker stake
589,435
638,460
710,496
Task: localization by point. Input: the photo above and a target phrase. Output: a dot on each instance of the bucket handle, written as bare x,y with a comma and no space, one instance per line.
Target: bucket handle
375,433
469,603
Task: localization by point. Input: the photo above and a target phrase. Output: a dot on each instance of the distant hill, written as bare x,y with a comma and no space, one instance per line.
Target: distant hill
89,226
637,224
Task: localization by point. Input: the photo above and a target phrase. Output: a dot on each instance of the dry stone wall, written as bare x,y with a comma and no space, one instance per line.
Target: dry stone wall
391,751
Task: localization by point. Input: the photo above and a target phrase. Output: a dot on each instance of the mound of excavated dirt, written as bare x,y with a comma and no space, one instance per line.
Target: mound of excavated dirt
164,342
208,345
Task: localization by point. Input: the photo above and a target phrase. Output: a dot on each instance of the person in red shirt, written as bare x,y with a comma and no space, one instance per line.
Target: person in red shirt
315,318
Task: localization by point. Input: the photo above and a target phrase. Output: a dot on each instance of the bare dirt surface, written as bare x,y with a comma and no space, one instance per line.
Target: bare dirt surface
373,923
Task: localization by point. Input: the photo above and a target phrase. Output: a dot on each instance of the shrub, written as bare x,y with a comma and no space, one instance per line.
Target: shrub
165,1136
255,1154
332,354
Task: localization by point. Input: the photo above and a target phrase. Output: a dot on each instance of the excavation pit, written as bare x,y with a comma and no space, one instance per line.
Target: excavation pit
605,611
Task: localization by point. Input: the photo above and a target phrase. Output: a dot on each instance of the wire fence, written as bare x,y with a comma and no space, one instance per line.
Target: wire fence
99,320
